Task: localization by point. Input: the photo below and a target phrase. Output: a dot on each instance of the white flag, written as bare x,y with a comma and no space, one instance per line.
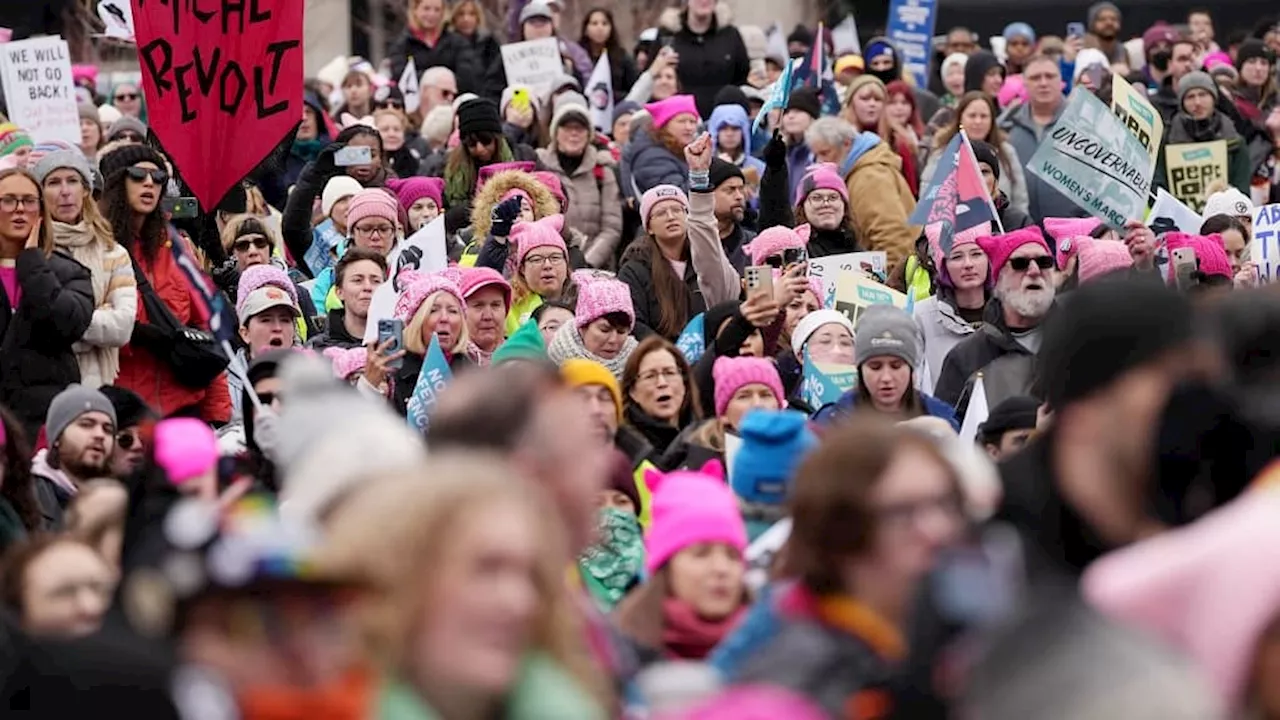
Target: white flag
975,415
844,37
600,95
117,16
1168,206
409,87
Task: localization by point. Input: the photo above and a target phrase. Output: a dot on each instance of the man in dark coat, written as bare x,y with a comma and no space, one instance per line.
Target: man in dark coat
712,54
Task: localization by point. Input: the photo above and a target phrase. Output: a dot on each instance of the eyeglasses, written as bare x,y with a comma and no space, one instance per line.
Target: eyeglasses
820,199
243,244
483,139
1021,264
9,203
128,439
904,514
673,211
381,230
553,259
671,375
790,256
140,174
126,97
448,94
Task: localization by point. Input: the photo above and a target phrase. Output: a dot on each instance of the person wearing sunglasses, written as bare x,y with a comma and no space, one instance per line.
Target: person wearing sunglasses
127,98
132,416
134,179
481,143
1025,273
127,129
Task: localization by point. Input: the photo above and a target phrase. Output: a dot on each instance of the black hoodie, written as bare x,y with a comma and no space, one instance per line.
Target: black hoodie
976,69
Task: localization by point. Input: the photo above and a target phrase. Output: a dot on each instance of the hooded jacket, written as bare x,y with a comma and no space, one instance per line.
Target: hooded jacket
1183,129
595,204
880,201
647,163
1007,366
926,101
976,69
708,61
942,329
1042,200
734,116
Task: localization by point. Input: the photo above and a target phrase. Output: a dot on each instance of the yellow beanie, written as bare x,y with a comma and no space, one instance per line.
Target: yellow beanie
579,372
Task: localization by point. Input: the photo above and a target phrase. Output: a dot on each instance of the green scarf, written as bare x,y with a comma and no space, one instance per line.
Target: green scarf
460,184
612,563
307,150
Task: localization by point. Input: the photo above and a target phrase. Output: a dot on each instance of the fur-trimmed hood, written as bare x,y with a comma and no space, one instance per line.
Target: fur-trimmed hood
671,19
544,203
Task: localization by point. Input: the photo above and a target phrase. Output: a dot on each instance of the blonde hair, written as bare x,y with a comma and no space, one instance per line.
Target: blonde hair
412,21
475,8
395,533
437,126
383,112
413,329
232,230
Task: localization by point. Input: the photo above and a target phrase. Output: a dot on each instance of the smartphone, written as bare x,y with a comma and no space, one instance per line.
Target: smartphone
520,99
1075,29
759,279
181,208
1184,265
393,330
349,156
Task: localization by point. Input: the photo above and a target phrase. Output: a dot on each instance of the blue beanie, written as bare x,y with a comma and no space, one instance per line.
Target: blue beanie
773,444
1019,29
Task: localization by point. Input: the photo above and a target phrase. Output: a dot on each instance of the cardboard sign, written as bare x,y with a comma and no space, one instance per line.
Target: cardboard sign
1140,116
1265,248
1093,159
828,268
38,89
535,63
223,84
1191,167
856,292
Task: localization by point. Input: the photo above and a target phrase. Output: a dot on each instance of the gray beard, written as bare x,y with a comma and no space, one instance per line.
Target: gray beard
1030,304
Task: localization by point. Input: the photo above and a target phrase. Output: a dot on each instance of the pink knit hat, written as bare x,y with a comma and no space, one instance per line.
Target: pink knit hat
1211,254
475,278
257,277
999,247
411,190
663,111
488,171
372,202
552,182
1097,257
1210,588
516,192
690,507
539,233
418,289
1061,228
602,297
732,373
1215,59
933,234
822,176
657,194
819,289
185,448
773,241
751,702
347,361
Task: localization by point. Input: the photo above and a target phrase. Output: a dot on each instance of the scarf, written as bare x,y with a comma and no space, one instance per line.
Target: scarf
610,564
307,150
689,637
460,182
40,467
1185,129
80,243
567,343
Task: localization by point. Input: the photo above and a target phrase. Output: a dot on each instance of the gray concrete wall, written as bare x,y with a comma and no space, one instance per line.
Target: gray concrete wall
326,32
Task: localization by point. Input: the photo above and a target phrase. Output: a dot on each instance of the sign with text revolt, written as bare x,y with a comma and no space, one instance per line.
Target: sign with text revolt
223,82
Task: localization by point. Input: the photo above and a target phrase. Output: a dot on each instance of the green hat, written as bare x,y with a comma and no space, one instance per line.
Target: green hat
524,344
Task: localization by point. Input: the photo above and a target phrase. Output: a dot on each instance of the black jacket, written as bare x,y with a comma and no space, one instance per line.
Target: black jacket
335,334
976,352
637,273
1011,218
36,360
657,434
488,55
622,70
710,61
451,51
404,380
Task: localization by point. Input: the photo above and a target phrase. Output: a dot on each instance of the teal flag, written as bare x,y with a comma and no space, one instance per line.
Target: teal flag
434,377
824,383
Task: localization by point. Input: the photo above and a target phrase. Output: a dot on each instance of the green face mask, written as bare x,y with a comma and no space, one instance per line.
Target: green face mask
613,562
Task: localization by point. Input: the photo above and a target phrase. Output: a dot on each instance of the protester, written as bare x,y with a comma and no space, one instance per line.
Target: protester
659,396
977,113
740,384
731,197
956,310
421,199
822,203
57,585
429,305
711,51
790,150
20,512
481,143
81,427
488,301
1198,120
602,326
1235,241
133,425
587,174
865,110
467,21
373,222
267,308
539,20
656,157
600,37
1029,124
430,43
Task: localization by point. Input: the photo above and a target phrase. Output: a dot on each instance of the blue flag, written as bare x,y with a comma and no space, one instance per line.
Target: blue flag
778,98
433,378
692,341
824,383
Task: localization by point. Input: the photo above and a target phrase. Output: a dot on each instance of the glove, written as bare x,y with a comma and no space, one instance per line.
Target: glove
324,162
457,218
504,216
775,151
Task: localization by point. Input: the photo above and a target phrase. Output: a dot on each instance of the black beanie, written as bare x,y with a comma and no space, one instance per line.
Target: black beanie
1105,329
805,99
801,35
236,201
732,95
131,409
722,170
479,116
1015,413
714,318
126,156
986,155
1253,48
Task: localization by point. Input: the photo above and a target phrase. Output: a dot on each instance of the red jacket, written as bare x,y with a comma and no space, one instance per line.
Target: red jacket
143,373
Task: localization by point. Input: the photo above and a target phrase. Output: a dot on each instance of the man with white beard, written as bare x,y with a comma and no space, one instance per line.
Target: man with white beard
1004,349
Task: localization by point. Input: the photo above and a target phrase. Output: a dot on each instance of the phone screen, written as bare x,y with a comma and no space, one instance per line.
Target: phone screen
349,156
1075,29
393,330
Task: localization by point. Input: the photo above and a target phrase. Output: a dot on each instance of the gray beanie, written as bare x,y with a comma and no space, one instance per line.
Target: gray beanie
886,330
1197,79
70,404
1096,8
70,158
124,124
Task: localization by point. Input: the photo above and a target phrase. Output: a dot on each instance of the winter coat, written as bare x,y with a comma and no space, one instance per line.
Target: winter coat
150,376
1012,181
1011,218
843,407
879,199
335,334
799,158
37,339
1182,129
450,51
942,329
53,490
1042,200
404,380
709,61
295,221
647,163
734,116
659,435
115,298
12,531
488,54
595,205
1007,366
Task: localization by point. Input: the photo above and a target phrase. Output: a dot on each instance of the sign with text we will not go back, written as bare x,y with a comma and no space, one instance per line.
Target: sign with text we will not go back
38,89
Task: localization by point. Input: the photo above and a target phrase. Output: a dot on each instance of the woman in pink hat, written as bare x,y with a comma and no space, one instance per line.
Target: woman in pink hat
739,384
656,156
428,305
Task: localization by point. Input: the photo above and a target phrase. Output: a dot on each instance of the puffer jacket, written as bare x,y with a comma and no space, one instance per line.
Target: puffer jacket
450,50
1042,200
595,205
37,359
880,201
708,61
942,329
646,164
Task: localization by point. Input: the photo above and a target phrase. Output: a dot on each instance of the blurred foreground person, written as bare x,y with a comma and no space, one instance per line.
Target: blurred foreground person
56,586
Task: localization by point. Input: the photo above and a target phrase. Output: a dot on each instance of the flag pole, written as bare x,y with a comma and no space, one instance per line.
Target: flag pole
995,215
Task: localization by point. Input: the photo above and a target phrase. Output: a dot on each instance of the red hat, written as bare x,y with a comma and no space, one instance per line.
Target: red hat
999,247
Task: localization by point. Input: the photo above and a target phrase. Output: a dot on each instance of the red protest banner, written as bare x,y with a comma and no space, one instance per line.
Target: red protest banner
223,82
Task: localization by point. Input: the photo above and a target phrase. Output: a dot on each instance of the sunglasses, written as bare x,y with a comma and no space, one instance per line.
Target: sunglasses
140,174
483,139
126,96
243,244
266,398
790,256
1021,264
390,104
127,440
130,136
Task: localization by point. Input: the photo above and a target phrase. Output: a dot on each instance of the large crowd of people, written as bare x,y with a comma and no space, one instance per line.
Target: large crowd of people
620,450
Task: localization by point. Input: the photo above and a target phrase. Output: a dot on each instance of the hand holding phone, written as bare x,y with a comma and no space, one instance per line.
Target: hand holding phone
759,280
1184,267
181,208
1075,29
391,341
351,156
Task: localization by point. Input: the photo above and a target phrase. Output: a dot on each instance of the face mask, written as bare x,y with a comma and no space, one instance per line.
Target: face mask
613,562
1160,59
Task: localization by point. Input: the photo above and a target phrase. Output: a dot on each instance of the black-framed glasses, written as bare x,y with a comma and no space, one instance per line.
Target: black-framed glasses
787,257
9,203
481,138
127,439
127,97
1022,264
243,244
140,174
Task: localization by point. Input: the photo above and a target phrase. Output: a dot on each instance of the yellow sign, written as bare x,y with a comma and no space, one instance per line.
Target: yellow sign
855,292
1140,116
1191,167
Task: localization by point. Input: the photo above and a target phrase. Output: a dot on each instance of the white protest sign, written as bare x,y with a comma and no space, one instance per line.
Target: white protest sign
535,63
829,268
1265,248
381,306
117,17
410,88
38,88
1168,206
424,251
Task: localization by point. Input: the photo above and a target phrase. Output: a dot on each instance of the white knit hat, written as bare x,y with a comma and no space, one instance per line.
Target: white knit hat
1228,202
338,187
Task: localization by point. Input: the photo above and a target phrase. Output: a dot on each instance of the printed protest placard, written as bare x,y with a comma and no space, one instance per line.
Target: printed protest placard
423,251
535,63
1170,207
824,383
1265,248
1140,116
38,88
1191,167
828,268
223,84
856,292
433,378
1093,159
911,30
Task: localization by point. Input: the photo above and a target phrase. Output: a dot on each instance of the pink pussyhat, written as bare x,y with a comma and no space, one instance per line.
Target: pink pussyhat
773,241
185,448
664,111
690,507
